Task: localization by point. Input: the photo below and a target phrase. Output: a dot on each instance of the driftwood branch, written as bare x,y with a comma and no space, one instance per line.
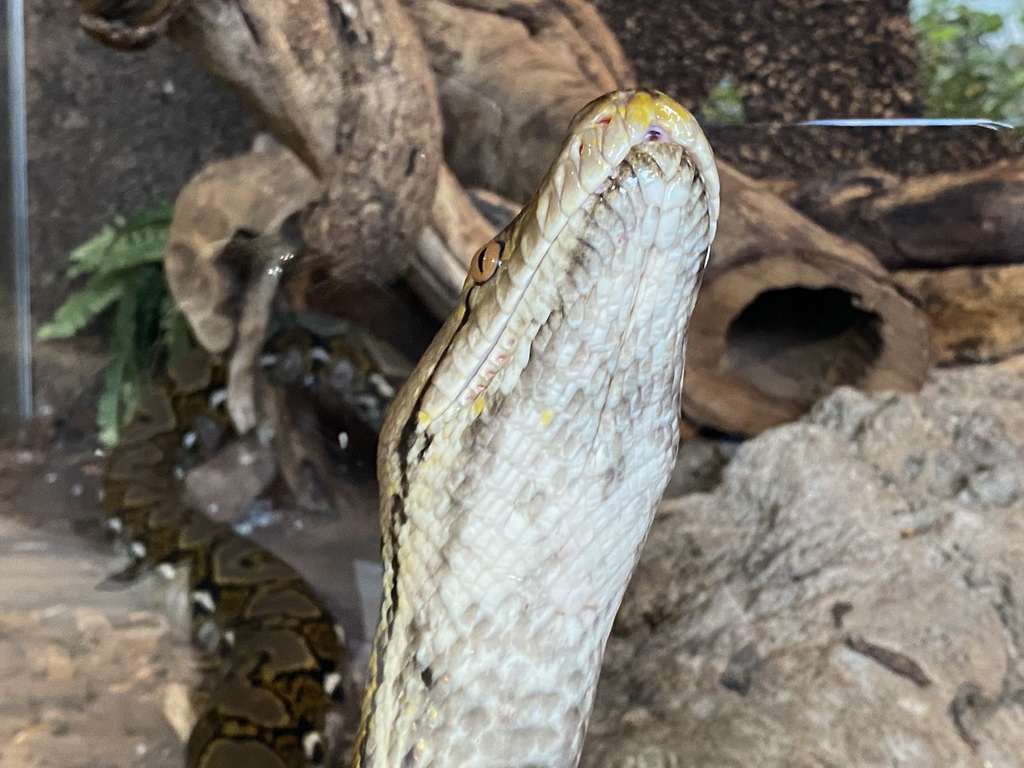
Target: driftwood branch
510,76
941,220
455,231
253,193
977,313
347,87
788,311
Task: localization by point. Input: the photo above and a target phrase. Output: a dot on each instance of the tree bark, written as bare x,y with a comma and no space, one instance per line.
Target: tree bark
510,75
977,313
940,220
347,87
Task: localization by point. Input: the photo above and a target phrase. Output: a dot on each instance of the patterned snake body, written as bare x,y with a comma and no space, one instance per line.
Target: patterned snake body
521,464
278,661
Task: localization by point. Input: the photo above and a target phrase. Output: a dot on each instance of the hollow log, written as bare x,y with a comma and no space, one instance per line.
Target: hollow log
787,313
977,313
940,220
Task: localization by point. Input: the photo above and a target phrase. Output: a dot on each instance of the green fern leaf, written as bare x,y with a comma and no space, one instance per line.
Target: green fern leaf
122,367
131,242
108,409
128,287
92,250
99,293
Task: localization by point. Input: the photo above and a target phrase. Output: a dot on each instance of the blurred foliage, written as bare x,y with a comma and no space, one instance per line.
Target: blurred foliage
723,104
967,68
126,293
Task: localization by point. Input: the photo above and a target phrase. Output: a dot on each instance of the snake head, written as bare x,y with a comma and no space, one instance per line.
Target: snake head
635,175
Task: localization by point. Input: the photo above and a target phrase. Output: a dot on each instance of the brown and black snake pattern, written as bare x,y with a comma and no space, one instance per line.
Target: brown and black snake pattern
278,662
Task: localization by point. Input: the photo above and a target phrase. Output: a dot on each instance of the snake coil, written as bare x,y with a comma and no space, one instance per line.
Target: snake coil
278,661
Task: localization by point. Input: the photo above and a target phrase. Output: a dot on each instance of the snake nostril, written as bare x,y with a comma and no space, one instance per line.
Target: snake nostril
654,133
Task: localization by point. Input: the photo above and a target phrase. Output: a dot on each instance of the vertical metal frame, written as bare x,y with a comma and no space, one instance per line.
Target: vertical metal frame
15,322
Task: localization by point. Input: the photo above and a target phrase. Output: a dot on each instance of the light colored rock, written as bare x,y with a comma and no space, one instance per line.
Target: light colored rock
849,595
226,485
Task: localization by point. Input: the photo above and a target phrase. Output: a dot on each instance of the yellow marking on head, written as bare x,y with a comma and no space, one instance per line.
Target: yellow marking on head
422,418
478,405
650,107
546,416
622,119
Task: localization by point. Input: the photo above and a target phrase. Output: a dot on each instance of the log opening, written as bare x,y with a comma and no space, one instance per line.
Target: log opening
787,312
788,340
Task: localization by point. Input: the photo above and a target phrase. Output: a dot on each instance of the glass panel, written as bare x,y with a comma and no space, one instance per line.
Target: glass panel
836,578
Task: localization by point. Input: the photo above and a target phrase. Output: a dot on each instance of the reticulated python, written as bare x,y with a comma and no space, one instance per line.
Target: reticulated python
519,467
280,661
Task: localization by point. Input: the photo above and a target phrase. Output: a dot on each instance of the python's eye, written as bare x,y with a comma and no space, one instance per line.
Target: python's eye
485,262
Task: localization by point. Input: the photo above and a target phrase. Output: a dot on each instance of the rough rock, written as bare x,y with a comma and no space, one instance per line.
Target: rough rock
849,595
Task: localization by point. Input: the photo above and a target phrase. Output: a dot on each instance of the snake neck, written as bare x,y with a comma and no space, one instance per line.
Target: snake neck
521,465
